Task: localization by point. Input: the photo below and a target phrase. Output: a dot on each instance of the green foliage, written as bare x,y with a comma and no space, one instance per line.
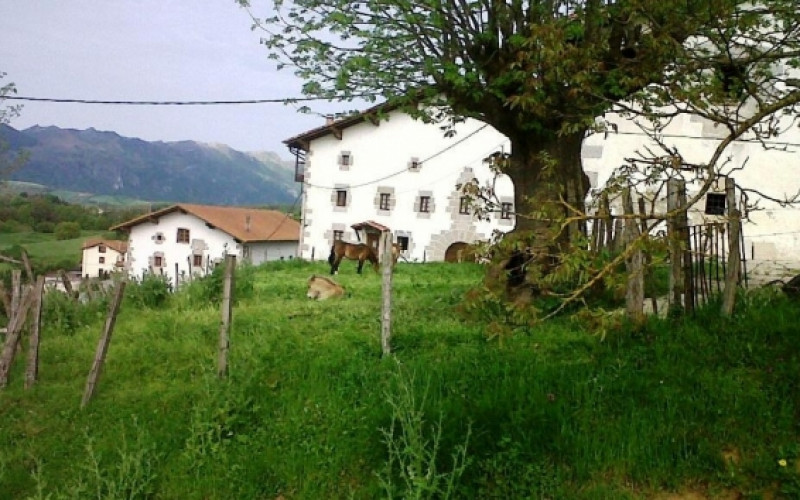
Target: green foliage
699,404
208,289
67,230
151,292
65,315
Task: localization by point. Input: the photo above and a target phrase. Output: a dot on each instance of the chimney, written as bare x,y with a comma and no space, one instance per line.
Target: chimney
247,223
329,120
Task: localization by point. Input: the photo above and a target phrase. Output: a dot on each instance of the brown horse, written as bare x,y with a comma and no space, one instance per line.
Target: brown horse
355,251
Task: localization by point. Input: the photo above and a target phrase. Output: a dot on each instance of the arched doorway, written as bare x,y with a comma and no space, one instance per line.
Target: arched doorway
458,252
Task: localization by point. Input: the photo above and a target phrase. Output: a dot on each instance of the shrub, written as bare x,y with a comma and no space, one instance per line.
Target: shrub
151,292
67,230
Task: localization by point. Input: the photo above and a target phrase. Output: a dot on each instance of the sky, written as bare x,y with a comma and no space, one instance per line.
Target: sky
154,50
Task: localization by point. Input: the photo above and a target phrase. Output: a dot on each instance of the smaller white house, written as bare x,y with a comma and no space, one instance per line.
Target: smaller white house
102,257
186,240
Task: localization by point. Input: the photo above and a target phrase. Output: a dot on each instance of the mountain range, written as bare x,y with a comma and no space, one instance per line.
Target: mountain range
105,163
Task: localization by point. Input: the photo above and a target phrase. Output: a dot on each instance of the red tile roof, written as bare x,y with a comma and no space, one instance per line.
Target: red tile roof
245,224
119,246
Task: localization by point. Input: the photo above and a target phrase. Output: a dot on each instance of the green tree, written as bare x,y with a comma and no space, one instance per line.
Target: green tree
67,230
544,72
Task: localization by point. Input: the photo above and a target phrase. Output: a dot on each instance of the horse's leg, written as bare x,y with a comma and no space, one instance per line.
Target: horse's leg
360,264
335,264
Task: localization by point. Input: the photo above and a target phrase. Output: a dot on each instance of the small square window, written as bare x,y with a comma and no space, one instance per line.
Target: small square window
338,235
345,159
183,235
505,210
102,260
341,198
101,248
197,260
715,203
424,204
463,205
158,261
414,164
385,199
402,242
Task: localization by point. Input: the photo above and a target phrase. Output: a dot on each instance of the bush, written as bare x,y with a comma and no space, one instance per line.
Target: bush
151,292
208,289
67,230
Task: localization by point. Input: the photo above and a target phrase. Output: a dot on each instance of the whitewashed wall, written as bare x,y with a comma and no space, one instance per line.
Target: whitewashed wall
143,245
91,266
381,155
770,234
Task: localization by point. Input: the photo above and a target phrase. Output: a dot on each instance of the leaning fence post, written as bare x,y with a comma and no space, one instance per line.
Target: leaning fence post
226,313
12,335
386,294
32,369
102,346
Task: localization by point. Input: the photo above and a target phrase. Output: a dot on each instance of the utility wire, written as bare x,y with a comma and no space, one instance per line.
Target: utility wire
165,103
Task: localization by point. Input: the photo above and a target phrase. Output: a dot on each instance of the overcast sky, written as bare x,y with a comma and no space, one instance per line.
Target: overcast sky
149,50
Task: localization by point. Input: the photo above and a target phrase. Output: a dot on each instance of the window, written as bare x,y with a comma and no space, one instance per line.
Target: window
402,242
384,203
505,210
425,204
101,248
414,164
341,198
463,205
715,203
159,237
338,235
183,235
197,260
158,261
102,260
345,159
732,77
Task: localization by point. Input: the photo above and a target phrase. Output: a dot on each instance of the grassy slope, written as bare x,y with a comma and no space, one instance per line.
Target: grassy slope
707,406
45,247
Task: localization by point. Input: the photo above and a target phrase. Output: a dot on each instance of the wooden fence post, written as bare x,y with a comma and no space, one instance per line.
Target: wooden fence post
686,244
32,369
67,284
102,346
386,294
634,293
732,272
226,315
16,292
675,253
12,335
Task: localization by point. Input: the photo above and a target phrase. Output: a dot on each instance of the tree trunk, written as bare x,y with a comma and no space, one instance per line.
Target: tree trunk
544,168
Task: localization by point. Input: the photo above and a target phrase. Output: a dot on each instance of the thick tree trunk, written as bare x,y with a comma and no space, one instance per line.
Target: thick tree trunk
547,172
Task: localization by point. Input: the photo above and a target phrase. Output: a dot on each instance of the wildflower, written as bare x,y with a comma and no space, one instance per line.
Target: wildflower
782,462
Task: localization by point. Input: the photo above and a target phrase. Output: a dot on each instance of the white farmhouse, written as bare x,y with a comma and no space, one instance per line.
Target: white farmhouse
186,240
102,257
362,174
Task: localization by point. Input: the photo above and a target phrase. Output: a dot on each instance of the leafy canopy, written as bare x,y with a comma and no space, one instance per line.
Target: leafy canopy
536,65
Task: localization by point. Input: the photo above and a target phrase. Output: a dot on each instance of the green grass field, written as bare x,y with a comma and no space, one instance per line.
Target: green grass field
704,407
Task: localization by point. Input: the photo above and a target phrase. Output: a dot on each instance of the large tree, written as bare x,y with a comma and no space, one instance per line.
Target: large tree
543,72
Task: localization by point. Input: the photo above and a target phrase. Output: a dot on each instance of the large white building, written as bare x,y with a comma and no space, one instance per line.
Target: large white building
361,175
188,240
403,174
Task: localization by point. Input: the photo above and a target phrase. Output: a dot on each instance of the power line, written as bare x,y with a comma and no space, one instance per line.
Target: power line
166,103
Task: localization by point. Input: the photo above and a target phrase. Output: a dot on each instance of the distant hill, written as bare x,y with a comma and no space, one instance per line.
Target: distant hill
105,163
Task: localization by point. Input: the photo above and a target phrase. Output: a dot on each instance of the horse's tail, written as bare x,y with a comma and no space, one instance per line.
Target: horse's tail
332,256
